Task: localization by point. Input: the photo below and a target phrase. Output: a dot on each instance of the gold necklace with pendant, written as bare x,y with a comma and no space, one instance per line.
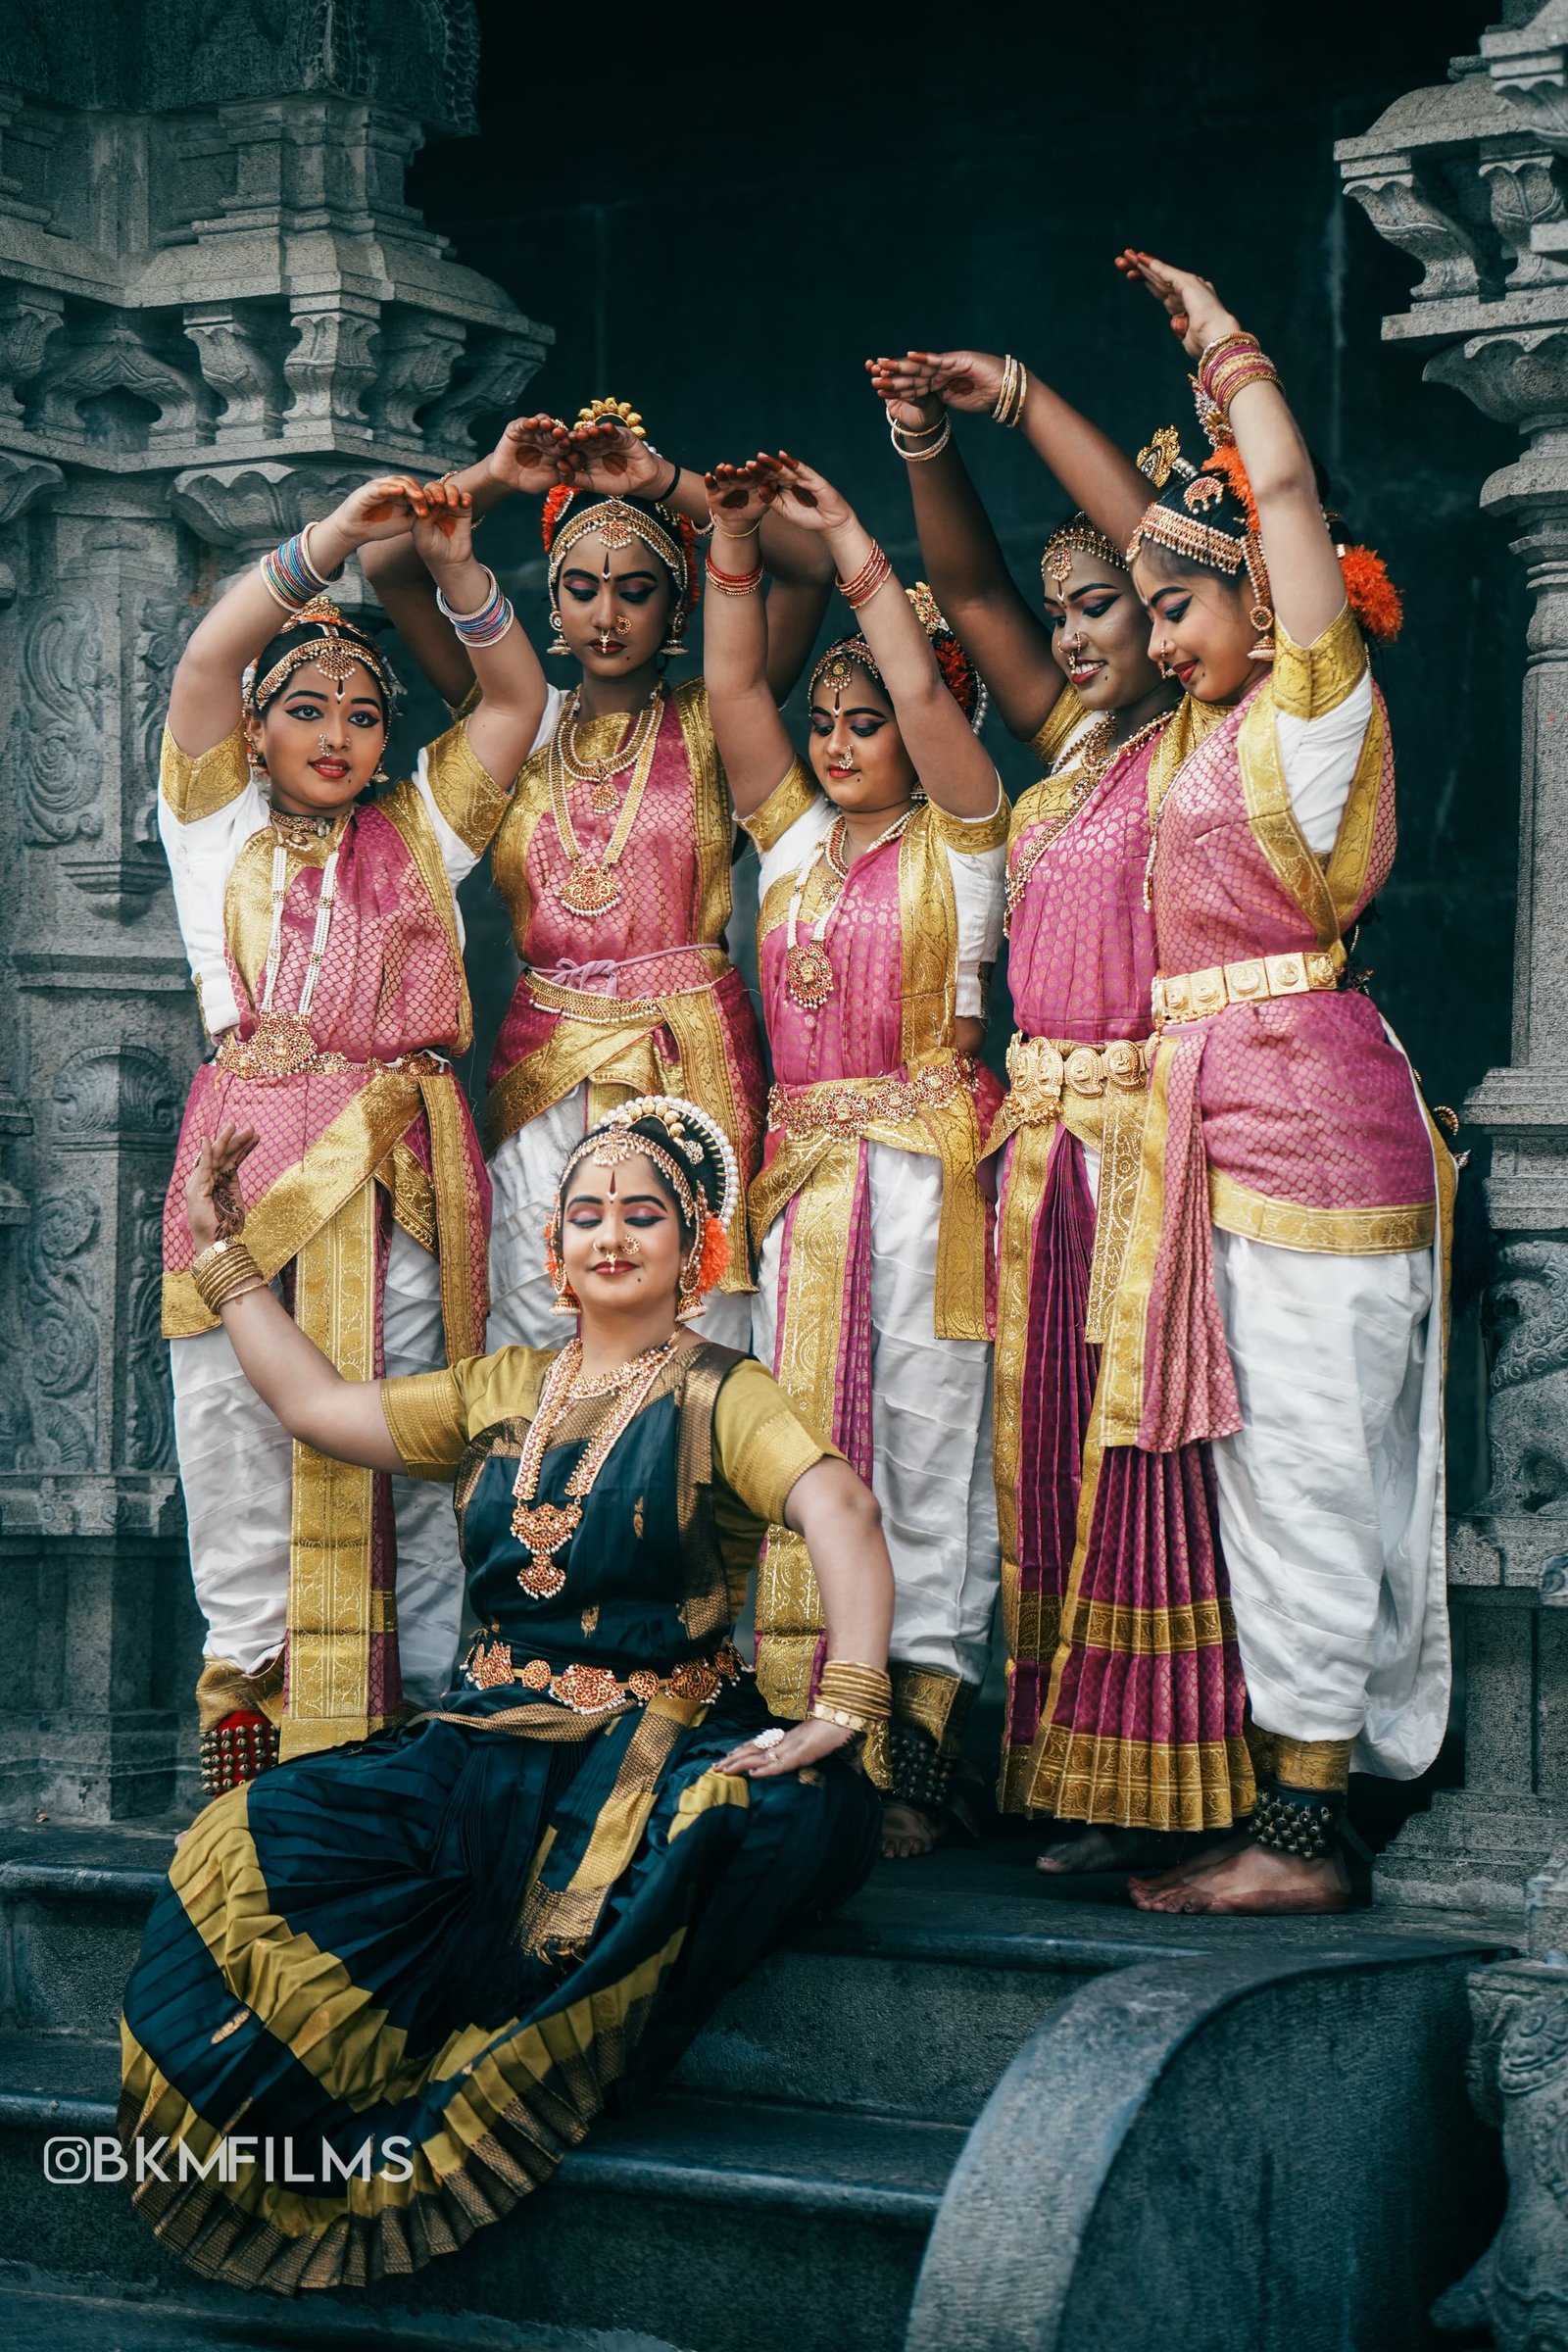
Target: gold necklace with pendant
808,969
591,887
546,1528
599,775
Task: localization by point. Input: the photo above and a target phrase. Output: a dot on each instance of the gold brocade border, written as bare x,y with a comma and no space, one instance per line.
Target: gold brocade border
810,1318
248,896
712,815
407,815
971,836
194,789
1120,1144
1336,1232
1118,1412
1062,722
559,1922
411,1195
330,1537
928,932
796,791
1142,1783
702,1074
1352,855
463,788
1190,724
1273,820
934,1702
1157,1633
344,1155
1300,1763
574,1054
1311,680
422,1412
460,1215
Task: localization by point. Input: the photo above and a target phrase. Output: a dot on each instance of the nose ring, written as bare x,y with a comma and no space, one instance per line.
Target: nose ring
622,625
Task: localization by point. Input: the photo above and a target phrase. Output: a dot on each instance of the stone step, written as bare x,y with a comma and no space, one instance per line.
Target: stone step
688,2221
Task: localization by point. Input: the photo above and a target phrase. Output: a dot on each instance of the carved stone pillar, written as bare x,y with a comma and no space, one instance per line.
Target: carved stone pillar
216,311
1468,179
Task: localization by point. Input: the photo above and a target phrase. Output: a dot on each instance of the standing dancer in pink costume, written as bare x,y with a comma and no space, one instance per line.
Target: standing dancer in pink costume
881,907
1282,1283
614,861
319,917
1146,1705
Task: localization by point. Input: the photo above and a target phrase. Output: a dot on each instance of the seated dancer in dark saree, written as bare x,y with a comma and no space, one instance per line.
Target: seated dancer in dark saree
428,1960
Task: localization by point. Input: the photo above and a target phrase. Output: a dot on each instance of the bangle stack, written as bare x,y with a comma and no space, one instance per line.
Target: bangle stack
223,1271
853,1696
1009,407
489,624
866,581
733,583
929,440
290,576
1230,363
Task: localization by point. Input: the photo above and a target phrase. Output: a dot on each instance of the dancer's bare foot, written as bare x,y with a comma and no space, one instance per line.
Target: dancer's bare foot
1099,1846
1197,1864
1257,1881
907,1831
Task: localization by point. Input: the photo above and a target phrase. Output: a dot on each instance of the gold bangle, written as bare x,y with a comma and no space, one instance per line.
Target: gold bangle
225,1270
841,1716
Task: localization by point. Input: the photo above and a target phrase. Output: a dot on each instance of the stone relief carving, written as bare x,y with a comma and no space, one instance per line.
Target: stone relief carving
1401,208
29,317
162,625
149,1401
503,364
50,763
115,1094
109,355
415,361
1525,1317
234,347
257,504
59,1314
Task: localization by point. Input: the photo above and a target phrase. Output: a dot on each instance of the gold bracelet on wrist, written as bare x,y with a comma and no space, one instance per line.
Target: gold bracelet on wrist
226,1270
865,1692
841,1716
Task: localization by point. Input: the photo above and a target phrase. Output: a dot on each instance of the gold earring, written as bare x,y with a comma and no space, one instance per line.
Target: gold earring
558,648
1263,619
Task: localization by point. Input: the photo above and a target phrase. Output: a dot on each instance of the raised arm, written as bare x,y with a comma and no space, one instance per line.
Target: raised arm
312,1401
204,703
528,457
612,454
1002,635
753,740
511,683
1303,568
953,765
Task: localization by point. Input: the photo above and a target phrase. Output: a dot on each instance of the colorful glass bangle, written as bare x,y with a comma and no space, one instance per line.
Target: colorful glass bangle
290,576
488,625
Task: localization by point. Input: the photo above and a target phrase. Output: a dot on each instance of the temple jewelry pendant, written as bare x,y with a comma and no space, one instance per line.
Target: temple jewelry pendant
546,1528
808,975
281,1045
602,798
589,889
492,1667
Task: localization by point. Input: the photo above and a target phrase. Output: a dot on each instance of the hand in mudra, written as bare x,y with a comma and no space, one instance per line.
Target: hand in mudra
907,394
530,455
609,457
1196,312
213,1208
443,530
801,495
738,497
968,380
804,1743
383,509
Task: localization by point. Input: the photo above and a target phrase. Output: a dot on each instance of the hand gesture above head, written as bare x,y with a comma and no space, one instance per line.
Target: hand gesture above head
739,496
213,1209
907,393
803,496
530,455
607,455
443,525
1196,312
968,380
383,509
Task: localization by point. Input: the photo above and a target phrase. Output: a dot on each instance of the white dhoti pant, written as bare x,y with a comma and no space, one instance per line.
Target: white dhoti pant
931,1409
1331,1496
525,1177
236,1465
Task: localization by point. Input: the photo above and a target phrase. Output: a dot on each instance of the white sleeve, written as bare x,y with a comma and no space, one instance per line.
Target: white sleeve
456,856
1320,758
795,844
201,858
977,891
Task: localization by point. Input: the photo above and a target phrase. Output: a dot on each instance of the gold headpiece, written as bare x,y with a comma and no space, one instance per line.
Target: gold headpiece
1163,457
612,1141
618,524
1076,537
334,656
958,673
622,410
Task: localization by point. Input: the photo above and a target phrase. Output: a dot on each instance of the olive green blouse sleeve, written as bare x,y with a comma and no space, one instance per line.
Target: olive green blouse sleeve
432,1415
760,1443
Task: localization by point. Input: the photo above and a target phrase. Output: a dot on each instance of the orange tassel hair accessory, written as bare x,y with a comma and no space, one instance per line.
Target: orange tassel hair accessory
713,1263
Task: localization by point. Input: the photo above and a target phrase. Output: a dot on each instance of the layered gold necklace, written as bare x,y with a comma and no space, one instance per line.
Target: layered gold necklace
808,969
591,885
546,1528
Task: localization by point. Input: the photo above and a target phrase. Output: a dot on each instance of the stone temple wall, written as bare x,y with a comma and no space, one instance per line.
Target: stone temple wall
218,310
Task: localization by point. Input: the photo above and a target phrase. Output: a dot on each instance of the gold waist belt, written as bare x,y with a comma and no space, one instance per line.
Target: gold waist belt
282,1045
849,1106
594,1689
1040,1070
1192,996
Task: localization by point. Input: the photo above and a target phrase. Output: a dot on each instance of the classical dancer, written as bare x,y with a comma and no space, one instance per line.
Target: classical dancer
614,861
424,1964
1151,1710
315,902
880,918
1281,1291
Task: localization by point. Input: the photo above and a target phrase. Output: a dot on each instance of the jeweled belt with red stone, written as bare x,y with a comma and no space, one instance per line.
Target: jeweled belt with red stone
594,1689
849,1105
